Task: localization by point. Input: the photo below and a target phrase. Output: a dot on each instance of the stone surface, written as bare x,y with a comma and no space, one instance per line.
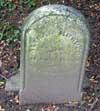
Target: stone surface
54,49
13,83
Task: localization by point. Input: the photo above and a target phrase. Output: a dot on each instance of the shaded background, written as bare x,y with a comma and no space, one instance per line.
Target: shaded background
12,14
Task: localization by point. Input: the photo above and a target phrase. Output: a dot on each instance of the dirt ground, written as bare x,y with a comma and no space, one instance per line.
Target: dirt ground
11,19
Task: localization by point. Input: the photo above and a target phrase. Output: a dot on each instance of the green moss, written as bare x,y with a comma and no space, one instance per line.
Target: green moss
49,43
56,49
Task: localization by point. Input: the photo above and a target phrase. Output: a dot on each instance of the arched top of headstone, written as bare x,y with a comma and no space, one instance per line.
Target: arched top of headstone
49,10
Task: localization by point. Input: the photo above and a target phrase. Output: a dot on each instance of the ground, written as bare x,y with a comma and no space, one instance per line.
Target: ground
12,15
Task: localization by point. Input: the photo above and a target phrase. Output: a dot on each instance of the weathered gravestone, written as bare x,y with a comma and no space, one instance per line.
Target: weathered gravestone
54,49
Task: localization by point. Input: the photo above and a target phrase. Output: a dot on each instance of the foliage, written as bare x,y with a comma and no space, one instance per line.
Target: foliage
30,3
9,32
9,5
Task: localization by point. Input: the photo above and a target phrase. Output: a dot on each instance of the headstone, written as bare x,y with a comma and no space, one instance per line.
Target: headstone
54,42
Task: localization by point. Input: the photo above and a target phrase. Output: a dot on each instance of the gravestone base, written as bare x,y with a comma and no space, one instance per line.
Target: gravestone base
13,84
